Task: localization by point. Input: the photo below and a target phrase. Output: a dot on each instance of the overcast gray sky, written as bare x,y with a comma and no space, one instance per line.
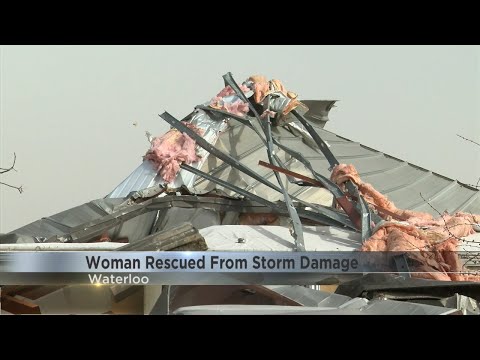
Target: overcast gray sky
68,111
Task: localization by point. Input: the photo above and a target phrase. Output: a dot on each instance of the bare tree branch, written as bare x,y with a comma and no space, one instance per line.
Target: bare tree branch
464,138
443,218
19,188
473,256
3,171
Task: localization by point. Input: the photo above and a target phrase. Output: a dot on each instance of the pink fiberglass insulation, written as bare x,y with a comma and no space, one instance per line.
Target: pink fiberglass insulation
431,242
341,173
172,149
235,107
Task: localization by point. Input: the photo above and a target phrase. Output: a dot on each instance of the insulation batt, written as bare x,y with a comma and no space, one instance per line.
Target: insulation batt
223,101
172,149
431,242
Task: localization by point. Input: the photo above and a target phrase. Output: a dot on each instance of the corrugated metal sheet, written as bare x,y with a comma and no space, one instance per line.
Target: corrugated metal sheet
402,182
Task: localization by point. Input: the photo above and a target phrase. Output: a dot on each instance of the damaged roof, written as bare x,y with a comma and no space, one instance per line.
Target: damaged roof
401,181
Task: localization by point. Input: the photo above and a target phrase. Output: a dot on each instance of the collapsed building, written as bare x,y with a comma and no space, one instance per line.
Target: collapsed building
254,169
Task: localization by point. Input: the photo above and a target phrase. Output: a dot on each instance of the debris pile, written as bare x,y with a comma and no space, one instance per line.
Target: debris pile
169,151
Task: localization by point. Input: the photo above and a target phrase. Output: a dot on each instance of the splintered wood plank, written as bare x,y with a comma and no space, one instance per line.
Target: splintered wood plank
19,306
